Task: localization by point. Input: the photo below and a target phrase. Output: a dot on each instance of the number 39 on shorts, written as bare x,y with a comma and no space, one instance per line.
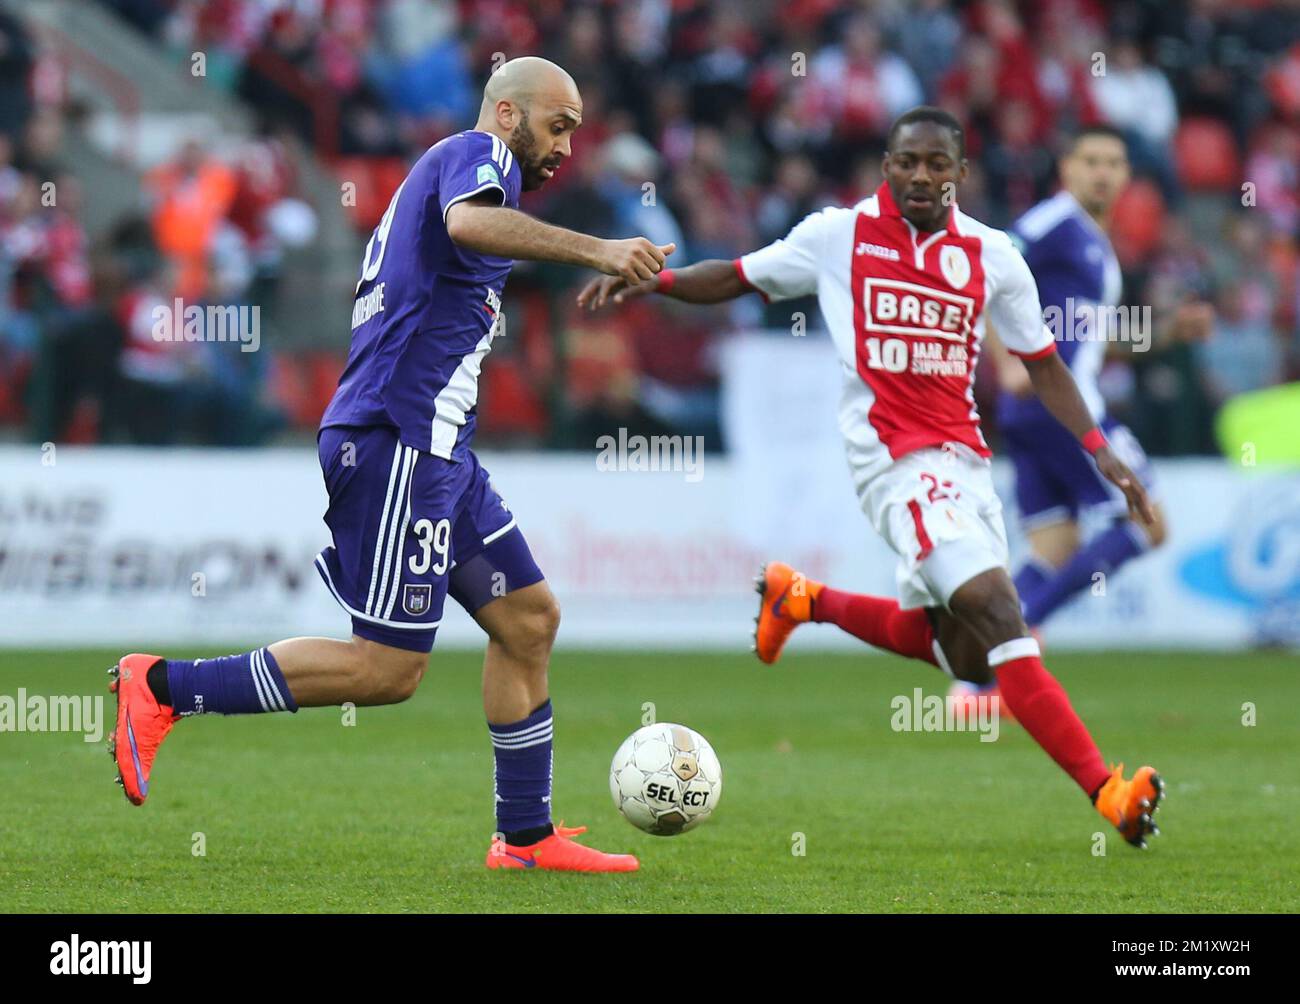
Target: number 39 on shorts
433,538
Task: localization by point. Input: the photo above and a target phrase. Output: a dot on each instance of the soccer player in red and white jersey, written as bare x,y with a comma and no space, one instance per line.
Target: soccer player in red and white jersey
906,281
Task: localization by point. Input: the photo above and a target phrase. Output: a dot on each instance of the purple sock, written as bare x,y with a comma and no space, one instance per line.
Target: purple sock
1104,553
522,776
1033,575
230,685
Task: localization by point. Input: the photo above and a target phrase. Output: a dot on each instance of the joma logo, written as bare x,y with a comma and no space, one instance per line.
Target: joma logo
877,251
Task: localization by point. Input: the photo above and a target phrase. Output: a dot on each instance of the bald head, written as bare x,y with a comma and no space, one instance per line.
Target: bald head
533,105
522,80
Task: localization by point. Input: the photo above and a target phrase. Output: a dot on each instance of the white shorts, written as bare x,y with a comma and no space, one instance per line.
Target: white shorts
937,509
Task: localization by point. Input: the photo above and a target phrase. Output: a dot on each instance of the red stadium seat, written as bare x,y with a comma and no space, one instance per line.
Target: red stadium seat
303,383
509,405
323,370
376,179
1138,220
1206,155
12,409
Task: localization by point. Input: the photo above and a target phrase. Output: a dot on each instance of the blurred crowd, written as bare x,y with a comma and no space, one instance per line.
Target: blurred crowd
92,339
718,124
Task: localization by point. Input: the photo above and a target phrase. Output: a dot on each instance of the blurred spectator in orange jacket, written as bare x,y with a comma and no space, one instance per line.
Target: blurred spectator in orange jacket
192,195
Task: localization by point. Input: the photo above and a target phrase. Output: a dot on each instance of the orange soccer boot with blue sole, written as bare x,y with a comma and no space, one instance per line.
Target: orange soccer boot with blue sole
142,724
558,852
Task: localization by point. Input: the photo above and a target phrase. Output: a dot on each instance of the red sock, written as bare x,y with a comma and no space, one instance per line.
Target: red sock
878,621
1040,704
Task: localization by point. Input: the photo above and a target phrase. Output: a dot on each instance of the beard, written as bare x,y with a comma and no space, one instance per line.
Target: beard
523,144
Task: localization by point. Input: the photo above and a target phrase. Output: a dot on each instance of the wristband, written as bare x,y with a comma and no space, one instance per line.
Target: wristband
666,280
1093,440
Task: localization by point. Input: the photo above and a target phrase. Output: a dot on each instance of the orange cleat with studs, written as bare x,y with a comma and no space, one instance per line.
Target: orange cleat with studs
1131,805
142,724
558,853
785,601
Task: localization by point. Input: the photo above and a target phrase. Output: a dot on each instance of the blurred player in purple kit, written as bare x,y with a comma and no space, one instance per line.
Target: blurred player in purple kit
414,516
1065,241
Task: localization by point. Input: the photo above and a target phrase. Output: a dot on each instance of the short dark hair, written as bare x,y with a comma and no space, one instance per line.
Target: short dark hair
930,113
1099,129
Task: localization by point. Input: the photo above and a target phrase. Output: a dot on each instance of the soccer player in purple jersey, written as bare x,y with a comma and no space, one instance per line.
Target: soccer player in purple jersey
414,516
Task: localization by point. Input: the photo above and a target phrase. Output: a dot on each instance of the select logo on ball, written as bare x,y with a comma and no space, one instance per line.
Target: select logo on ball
696,799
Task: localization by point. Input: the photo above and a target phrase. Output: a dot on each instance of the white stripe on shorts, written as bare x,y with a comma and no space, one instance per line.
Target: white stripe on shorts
387,562
499,533
401,536
383,524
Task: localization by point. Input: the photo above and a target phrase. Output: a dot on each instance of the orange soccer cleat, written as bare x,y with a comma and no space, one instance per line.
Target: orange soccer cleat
142,725
785,601
559,853
1131,805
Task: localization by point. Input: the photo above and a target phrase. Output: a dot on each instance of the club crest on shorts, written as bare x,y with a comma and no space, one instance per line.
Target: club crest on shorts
955,266
416,599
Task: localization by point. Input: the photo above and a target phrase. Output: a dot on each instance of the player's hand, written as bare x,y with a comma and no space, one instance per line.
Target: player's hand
599,291
1117,473
634,260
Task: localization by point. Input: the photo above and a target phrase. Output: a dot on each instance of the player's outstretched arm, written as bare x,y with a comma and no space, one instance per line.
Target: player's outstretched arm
786,268
710,281
508,233
1054,384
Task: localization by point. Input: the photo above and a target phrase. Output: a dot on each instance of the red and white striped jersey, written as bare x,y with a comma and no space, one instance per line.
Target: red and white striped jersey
906,310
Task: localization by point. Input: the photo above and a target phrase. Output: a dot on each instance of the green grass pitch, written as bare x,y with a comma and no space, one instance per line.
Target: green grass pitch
303,813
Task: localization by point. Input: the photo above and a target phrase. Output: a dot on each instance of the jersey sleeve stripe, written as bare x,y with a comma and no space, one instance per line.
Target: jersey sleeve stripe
740,271
1045,217
1042,353
469,195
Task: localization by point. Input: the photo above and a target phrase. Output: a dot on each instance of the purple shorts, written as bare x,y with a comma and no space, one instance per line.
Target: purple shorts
408,529
1056,478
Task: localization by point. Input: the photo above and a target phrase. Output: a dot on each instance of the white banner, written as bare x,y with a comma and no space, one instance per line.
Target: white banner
163,548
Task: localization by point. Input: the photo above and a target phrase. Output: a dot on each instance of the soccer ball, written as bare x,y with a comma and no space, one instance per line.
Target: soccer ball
665,779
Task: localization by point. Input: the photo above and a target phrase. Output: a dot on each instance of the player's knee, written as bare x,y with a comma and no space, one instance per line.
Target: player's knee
1002,618
530,632
387,675
541,625
992,613
402,677
964,655
551,621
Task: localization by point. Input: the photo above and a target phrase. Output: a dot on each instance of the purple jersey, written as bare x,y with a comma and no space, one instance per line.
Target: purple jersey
426,309
1077,272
